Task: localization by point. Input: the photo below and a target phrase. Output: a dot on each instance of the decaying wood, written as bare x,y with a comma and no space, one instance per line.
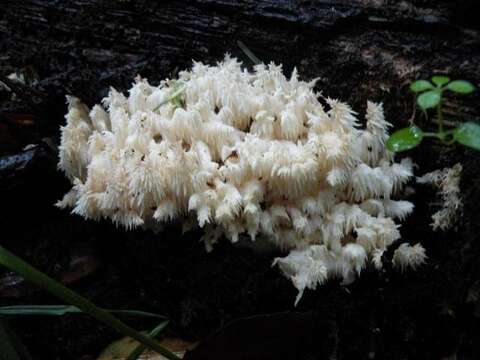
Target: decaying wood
359,50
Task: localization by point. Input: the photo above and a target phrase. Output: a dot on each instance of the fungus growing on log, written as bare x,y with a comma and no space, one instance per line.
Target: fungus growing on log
236,153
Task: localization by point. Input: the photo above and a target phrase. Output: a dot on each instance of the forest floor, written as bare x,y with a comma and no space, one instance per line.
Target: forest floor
359,50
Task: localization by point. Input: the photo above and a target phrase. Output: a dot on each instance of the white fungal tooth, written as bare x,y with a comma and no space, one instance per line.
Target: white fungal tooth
238,152
409,256
448,183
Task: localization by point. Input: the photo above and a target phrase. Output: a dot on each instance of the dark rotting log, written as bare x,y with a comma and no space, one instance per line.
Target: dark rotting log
358,50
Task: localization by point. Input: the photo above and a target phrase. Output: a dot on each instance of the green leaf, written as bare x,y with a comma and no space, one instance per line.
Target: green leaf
60,310
429,99
56,310
468,134
7,348
405,139
461,87
11,336
31,274
135,354
175,98
421,85
440,80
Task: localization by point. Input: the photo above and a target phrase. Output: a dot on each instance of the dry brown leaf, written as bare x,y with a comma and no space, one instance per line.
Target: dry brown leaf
120,349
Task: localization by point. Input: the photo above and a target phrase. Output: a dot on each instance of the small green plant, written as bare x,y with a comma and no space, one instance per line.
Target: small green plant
79,304
14,349
430,96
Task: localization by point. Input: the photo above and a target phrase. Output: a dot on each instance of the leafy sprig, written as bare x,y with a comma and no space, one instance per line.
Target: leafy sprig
430,96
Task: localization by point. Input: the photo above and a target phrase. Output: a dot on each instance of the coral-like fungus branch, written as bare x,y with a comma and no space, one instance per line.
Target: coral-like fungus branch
241,153
448,183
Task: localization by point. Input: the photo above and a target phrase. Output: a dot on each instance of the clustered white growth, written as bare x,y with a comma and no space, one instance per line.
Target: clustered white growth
242,153
448,183
409,256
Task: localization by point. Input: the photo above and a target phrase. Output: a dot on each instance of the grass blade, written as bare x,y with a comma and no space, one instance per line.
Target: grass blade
249,53
31,274
135,313
60,310
55,310
16,342
8,351
141,348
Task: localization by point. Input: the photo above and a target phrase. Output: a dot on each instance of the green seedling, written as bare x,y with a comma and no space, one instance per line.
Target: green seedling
430,96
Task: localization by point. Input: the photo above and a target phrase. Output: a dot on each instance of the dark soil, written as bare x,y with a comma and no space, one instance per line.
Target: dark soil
360,50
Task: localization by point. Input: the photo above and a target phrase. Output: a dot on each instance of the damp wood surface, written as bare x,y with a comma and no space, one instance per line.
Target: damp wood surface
358,50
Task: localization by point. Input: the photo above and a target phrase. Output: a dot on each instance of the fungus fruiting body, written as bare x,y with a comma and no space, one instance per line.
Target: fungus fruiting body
448,183
242,153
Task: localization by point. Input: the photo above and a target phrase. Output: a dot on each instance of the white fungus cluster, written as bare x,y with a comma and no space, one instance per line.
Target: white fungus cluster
236,153
448,183
408,256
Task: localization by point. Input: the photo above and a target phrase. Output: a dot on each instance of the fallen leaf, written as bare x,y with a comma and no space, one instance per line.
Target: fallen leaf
120,349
